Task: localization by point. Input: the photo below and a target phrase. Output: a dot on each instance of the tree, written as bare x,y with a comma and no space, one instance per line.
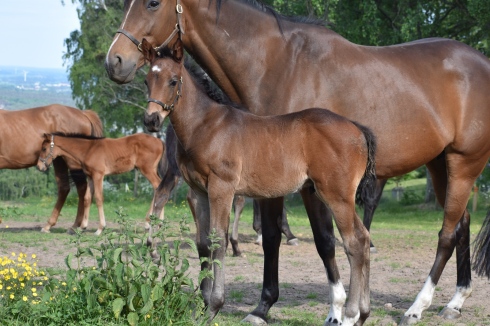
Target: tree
119,106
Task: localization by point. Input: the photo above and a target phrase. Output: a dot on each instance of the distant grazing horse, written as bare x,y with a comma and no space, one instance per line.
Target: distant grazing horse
220,149
21,136
427,102
98,157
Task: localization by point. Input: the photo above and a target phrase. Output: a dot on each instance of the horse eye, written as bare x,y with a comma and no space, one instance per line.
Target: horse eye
153,4
173,82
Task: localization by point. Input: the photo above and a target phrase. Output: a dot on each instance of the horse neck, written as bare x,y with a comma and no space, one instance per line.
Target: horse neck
72,150
227,39
192,110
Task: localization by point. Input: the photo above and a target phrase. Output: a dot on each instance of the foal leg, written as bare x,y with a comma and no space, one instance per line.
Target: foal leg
462,174
270,211
238,205
99,201
221,196
80,180
323,233
162,194
370,207
355,237
87,201
63,183
284,226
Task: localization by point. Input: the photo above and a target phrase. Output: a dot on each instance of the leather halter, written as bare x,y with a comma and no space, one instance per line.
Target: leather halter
50,154
169,107
177,29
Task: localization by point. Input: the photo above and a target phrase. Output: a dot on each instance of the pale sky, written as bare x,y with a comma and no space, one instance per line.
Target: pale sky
32,32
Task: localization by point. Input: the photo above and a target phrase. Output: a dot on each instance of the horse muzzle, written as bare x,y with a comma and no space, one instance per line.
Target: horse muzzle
153,122
121,69
41,166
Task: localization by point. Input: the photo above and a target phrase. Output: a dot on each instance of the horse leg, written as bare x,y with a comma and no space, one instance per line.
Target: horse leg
257,223
323,233
238,205
80,180
162,195
199,206
462,174
87,201
63,183
270,212
371,206
97,183
355,238
221,196
284,226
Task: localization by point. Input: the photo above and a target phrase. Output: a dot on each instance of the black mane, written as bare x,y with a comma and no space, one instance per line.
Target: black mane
74,135
279,17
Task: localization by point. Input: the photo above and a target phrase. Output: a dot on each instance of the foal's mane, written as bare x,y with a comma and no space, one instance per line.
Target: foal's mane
75,135
279,17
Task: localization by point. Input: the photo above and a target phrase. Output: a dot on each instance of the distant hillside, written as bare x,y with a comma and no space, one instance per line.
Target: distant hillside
24,87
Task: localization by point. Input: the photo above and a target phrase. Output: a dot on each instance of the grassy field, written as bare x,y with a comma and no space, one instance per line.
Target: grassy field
421,221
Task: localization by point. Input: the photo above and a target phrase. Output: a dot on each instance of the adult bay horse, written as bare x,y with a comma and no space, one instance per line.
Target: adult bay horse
98,157
21,136
426,101
220,147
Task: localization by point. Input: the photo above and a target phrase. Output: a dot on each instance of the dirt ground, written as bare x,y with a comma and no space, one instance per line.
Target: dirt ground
398,272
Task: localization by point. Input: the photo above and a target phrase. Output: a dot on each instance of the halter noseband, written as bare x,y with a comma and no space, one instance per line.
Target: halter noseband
170,107
50,154
177,29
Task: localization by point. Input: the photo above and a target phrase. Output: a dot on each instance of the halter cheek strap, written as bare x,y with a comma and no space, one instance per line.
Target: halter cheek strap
50,154
177,29
170,107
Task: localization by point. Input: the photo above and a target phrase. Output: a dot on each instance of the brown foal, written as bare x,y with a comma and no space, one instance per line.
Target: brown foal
98,157
218,156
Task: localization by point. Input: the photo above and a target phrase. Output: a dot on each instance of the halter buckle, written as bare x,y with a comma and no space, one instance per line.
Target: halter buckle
179,8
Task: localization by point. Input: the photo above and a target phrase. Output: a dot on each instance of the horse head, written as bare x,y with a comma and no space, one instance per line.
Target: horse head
142,18
164,82
47,153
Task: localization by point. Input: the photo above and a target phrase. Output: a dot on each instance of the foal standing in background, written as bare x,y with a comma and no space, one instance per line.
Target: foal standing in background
221,146
98,157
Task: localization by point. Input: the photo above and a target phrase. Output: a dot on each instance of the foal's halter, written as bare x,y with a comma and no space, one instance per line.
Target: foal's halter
170,107
50,154
177,29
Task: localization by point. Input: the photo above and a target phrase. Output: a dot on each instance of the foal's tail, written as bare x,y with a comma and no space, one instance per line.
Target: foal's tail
365,193
481,253
97,127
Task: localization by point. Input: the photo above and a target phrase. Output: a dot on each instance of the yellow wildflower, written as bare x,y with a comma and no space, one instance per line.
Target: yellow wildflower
12,296
33,256
24,298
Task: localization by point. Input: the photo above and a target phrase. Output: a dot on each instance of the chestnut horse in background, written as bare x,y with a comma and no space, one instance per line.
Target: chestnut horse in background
98,157
21,136
427,102
220,146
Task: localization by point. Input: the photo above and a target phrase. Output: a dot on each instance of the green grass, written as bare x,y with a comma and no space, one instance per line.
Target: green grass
423,222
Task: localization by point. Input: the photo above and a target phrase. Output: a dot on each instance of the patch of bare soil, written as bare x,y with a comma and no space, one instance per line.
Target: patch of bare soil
398,272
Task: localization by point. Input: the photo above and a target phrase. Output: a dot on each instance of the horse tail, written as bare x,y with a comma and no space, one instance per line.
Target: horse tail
365,193
95,122
481,253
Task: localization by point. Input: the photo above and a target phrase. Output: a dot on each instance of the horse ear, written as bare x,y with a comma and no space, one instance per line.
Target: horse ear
148,51
178,50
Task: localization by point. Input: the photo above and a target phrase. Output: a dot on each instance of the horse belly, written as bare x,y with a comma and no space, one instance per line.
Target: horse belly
271,181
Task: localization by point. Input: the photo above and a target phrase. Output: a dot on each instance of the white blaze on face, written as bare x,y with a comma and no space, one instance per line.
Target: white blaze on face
156,69
118,34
